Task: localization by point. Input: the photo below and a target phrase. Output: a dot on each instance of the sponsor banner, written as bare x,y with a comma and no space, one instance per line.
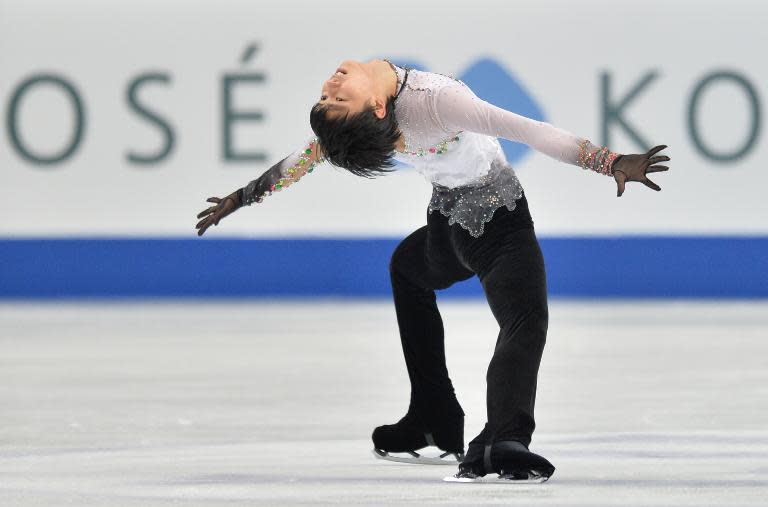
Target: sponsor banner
120,118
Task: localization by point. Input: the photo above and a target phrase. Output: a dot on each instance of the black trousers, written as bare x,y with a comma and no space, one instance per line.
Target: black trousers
509,263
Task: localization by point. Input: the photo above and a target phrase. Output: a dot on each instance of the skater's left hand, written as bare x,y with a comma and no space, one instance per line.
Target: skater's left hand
634,167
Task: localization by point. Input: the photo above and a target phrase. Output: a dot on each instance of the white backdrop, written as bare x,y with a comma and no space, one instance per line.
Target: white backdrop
558,50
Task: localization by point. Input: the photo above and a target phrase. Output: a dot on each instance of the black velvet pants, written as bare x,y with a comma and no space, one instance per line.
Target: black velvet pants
509,263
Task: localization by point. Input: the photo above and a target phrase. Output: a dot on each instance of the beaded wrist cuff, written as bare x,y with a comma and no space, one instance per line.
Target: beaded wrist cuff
596,158
275,178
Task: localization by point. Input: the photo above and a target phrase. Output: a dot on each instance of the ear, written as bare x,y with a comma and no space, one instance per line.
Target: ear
380,107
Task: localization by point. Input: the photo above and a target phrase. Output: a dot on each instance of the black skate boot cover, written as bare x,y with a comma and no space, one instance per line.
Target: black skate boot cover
409,434
403,436
507,457
510,457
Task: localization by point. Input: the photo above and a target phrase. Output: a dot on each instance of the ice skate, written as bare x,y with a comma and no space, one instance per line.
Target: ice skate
400,442
505,462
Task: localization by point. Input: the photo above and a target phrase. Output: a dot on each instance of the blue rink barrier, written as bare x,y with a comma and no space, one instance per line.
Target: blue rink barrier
594,267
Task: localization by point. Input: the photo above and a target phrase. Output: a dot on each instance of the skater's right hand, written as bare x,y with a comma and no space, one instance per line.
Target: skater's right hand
214,214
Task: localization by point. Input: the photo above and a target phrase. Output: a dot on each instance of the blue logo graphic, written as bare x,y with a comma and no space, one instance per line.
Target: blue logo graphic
493,83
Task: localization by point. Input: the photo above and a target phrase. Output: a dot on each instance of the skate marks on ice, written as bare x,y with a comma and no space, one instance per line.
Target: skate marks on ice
162,405
433,456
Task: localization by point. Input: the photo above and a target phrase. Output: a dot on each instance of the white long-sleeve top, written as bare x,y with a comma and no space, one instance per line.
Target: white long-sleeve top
451,138
451,134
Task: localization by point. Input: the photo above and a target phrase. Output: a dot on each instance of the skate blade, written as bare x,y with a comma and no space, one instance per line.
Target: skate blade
533,478
446,458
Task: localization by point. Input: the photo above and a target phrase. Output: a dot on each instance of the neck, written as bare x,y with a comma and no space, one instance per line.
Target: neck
385,81
385,78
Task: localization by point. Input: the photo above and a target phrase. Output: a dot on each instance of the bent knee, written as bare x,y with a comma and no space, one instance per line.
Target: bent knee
397,260
406,249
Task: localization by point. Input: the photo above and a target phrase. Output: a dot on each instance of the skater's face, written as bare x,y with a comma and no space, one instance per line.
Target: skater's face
349,89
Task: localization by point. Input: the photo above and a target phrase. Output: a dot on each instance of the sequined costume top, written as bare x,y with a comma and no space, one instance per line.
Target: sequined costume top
450,138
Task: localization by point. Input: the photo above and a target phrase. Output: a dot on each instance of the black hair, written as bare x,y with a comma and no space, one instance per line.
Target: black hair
361,143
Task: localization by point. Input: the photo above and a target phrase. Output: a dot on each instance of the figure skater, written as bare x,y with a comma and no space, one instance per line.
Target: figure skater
478,223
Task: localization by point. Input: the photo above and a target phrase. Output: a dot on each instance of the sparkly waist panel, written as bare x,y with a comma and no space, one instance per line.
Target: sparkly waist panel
472,206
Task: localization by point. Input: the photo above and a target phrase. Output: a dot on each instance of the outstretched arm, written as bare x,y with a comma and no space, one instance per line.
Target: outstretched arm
457,108
283,174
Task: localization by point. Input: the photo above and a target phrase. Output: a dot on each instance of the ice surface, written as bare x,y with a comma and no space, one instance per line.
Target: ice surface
273,403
